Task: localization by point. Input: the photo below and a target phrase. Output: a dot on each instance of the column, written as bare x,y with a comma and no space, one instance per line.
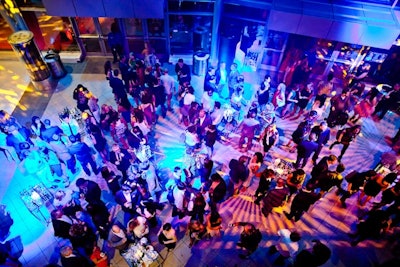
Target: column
214,36
25,47
12,15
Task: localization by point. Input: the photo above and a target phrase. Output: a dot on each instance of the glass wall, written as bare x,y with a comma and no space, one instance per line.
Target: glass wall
5,31
133,27
57,32
88,34
189,33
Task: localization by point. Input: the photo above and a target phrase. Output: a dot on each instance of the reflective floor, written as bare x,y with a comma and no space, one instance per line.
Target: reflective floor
327,220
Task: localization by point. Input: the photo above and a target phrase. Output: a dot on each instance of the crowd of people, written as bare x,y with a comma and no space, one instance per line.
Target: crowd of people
119,144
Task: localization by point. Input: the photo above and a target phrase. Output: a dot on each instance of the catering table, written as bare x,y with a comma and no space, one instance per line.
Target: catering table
37,199
140,254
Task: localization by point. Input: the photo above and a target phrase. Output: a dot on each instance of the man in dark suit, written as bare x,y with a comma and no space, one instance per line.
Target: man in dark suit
305,149
89,189
117,86
183,72
121,158
322,167
160,97
202,122
129,199
302,202
323,134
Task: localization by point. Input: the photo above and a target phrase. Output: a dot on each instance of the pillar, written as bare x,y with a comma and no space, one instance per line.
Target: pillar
25,47
215,29
12,15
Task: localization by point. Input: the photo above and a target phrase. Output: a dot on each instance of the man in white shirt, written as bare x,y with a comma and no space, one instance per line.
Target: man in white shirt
208,100
169,84
217,115
221,77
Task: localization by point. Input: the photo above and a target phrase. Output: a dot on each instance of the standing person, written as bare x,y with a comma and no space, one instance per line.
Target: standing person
214,222
90,190
69,126
202,122
295,181
249,127
374,186
217,190
117,239
169,85
249,239
233,79
210,139
302,202
159,97
208,100
330,179
322,167
186,98
80,94
388,102
149,174
263,186
108,69
269,137
275,198
239,172
305,149
124,69
291,103
121,158
324,88
305,96
179,206
71,258
345,137
94,107
167,236
263,92
210,81
288,246
360,75
99,141
355,181
221,77
256,168
115,41
182,70
279,98
83,154
340,104
323,134
118,87
196,207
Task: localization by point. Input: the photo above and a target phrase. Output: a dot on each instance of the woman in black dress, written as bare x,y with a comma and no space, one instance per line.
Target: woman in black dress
374,186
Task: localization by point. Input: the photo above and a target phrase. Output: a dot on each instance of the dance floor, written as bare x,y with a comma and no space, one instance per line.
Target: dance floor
327,220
